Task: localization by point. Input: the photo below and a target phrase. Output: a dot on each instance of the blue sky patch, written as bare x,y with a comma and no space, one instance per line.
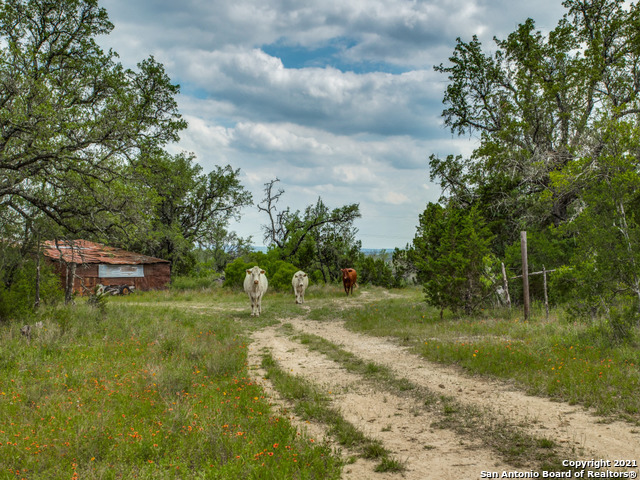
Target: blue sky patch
326,56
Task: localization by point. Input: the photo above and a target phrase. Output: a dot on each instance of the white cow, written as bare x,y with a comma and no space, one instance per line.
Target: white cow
300,282
255,284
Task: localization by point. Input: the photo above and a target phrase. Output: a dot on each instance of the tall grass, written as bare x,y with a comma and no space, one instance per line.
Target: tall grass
142,391
511,442
568,361
157,386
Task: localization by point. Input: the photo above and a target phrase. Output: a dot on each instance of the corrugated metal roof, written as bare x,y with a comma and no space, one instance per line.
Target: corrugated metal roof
83,251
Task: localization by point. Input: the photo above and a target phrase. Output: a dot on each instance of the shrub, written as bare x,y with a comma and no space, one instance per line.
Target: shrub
281,278
279,273
316,277
17,299
376,271
235,272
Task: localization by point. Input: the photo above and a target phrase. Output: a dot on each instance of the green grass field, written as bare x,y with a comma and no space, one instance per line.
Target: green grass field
565,360
157,385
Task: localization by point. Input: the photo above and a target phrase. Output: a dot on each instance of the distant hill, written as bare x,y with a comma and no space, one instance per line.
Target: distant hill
366,251
376,251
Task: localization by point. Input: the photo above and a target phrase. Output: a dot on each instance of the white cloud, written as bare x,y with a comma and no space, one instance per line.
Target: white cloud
352,174
261,89
327,118
204,133
396,198
402,32
276,138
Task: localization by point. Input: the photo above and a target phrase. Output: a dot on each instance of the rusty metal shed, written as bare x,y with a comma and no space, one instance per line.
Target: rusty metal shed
95,264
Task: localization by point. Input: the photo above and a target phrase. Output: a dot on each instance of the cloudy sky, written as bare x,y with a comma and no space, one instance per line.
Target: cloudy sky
336,98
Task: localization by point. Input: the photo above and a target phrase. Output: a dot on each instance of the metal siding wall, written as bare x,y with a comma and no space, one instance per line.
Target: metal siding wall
157,276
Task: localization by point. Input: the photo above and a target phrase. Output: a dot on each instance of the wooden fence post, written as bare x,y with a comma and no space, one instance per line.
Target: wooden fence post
546,298
525,273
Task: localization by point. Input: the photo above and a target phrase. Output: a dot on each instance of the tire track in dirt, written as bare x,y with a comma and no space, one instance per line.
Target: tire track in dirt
400,423
582,435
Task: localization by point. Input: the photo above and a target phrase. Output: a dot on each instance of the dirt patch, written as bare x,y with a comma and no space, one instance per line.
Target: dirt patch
405,427
401,424
575,427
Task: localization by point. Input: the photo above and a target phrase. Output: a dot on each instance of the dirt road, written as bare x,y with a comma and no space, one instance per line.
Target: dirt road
405,426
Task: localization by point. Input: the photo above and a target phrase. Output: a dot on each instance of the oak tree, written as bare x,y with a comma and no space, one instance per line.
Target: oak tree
72,118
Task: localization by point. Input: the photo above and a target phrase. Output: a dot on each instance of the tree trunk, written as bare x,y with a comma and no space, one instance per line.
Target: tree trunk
36,302
624,229
525,274
71,275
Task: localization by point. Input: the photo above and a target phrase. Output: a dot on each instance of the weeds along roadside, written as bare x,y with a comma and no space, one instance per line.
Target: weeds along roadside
152,391
47,383
510,442
565,360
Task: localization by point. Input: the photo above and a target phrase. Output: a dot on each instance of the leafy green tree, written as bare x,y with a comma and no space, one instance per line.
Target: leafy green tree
318,240
222,248
605,225
72,118
333,247
534,102
431,228
21,238
453,258
556,117
17,297
376,270
403,264
81,149
191,208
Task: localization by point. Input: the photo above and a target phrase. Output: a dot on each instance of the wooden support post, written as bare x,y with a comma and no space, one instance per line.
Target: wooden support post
36,302
525,274
71,277
546,298
505,285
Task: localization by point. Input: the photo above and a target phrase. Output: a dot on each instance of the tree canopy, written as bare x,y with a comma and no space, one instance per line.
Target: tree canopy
536,103
72,117
82,145
316,240
554,116
191,208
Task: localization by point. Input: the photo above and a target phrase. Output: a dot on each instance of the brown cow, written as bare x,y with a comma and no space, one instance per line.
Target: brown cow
349,277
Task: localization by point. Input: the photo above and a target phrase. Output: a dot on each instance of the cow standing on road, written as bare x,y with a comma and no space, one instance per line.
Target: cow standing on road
300,282
349,277
255,284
